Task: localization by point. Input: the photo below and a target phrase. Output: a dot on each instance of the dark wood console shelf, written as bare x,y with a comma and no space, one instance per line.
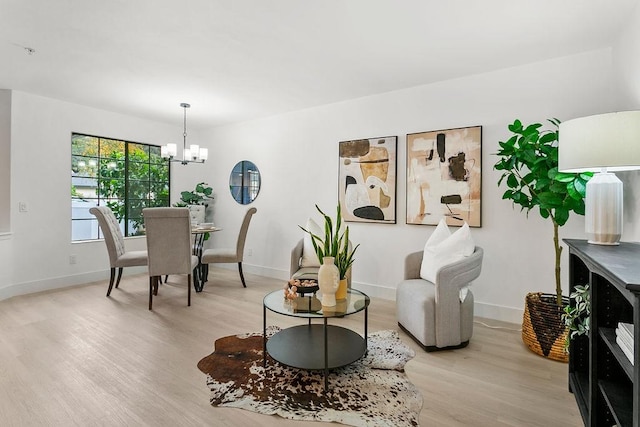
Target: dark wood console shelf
605,383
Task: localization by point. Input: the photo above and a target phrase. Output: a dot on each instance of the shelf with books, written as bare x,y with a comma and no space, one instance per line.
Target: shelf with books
602,375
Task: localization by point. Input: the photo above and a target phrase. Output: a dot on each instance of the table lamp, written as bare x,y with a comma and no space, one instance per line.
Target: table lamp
603,143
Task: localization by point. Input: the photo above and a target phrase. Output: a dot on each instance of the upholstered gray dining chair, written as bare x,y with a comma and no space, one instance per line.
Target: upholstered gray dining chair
168,233
119,257
438,315
231,255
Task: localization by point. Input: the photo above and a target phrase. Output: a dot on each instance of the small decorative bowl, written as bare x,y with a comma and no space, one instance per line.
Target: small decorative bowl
304,286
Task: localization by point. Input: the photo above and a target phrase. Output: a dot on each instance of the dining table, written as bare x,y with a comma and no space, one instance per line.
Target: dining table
201,233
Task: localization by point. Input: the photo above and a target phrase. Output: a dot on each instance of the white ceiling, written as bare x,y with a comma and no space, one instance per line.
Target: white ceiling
234,60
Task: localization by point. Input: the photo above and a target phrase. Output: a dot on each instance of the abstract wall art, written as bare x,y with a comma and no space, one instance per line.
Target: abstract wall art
444,170
367,179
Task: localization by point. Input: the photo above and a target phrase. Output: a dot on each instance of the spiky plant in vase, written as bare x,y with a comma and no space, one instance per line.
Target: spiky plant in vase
336,244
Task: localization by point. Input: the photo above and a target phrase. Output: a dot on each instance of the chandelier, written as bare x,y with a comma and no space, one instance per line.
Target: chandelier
193,154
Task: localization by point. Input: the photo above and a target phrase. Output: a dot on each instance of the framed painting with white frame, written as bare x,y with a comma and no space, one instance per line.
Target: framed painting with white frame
367,179
444,176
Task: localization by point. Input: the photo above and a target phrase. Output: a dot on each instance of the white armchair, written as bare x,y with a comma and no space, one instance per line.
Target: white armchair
436,315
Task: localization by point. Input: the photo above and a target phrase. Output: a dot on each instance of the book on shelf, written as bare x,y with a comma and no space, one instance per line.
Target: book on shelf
626,327
624,339
625,349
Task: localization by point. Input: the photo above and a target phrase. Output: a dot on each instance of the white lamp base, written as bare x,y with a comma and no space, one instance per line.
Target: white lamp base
603,209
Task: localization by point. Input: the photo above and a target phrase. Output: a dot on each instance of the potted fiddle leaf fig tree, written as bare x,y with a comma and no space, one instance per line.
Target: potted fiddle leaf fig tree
197,202
529,164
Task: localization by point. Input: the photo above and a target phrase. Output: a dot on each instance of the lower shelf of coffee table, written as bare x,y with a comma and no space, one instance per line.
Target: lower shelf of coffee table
303,346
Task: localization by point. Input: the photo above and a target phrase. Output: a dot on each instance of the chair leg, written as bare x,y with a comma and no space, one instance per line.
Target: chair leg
151,280
119,276
156,284
189,290
241,275
113,275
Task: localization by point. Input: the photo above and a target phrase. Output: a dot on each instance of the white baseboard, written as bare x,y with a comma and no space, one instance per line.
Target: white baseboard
484,310
488,311
497,312
61,282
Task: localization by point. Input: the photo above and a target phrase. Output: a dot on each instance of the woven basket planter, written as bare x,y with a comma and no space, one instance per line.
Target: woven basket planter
543,330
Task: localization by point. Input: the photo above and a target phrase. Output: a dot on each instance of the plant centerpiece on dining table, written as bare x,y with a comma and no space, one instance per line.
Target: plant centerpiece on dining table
335,244
197,201
200,195
529,161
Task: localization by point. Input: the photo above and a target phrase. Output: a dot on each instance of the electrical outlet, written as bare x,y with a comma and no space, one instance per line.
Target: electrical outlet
72,259
249,252
22,206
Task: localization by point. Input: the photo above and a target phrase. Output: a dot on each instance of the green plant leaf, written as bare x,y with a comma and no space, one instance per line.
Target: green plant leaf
561,215
564,177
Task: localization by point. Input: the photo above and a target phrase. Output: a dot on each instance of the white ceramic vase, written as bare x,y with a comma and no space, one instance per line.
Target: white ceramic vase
197,213
328,281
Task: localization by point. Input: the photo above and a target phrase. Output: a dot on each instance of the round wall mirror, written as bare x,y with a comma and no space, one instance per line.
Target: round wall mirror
244,182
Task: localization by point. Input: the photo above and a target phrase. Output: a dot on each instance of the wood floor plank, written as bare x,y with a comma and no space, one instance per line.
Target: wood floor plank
73,357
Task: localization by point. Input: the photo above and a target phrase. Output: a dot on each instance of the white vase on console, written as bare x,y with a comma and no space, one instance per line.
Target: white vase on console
328,281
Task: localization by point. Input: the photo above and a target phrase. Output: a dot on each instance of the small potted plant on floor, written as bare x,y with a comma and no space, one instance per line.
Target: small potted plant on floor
529,161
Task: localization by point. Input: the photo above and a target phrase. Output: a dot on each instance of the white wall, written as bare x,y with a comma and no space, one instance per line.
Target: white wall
297,157
626,54
5,159
36,255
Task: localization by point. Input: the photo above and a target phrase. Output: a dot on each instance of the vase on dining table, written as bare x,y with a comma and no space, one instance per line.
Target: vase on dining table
197,214
328,281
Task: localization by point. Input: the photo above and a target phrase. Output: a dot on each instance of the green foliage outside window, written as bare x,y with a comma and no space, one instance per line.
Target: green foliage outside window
124,176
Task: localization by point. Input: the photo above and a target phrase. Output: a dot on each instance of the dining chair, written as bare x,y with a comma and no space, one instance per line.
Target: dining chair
119,257
168,233
231,255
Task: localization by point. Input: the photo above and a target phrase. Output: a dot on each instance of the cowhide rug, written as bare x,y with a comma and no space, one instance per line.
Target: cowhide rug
373,391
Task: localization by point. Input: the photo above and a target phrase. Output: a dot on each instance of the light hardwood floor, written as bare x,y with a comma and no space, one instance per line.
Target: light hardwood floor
75,357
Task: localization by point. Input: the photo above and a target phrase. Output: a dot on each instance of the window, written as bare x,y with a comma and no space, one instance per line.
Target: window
125,176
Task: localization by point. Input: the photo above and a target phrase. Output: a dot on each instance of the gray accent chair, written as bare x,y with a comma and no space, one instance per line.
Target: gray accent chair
119,257
297,271
231,255
168,233
431,313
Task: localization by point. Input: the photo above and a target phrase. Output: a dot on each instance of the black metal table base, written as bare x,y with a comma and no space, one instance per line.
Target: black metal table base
315,346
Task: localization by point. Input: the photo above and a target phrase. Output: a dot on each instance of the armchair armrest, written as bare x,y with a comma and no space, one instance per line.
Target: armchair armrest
460,273
412,264
296,254
449,280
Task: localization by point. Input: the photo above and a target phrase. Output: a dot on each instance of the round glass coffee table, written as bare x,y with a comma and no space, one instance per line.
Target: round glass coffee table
315,346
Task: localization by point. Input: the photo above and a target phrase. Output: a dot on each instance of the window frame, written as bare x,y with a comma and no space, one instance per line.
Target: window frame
99,178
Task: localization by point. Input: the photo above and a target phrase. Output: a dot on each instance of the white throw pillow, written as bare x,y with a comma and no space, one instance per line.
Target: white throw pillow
309,257
443,248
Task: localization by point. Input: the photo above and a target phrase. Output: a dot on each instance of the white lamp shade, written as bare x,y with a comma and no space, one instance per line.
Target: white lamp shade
195,150
610,141
172,150
187,154
204,154
602,143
